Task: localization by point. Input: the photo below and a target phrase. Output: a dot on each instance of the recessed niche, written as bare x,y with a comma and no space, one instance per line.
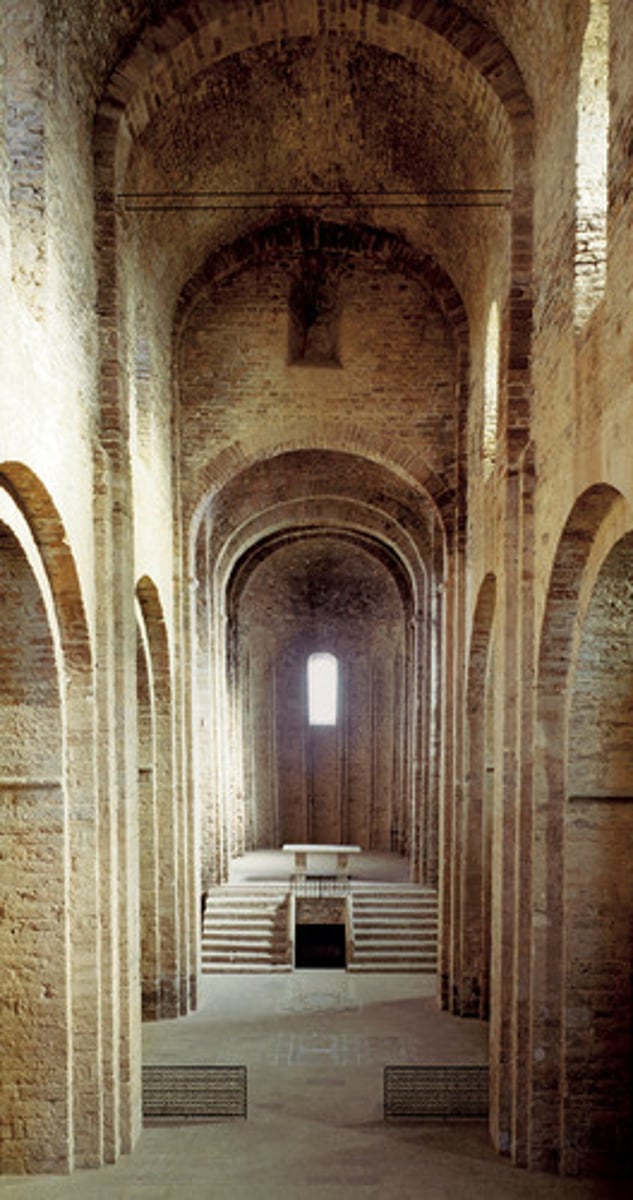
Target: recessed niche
320,947
313,319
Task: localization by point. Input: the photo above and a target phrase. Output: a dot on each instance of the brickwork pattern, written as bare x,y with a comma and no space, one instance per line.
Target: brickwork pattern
180,389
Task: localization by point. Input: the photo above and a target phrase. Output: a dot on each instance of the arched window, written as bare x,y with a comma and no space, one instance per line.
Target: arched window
491,389
141,372
591,163
322,689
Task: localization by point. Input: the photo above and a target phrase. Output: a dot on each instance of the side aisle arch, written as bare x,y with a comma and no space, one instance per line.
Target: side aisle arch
581,826
472,975
161,820
50,832
598,881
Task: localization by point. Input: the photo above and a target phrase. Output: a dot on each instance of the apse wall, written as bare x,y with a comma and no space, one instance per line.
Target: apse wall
305,780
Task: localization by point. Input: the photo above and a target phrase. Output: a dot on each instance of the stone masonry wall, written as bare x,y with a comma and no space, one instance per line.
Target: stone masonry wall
124,408
341,783
394,372
34,1083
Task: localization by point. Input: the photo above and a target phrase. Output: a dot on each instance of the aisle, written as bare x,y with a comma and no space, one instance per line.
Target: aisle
315,1043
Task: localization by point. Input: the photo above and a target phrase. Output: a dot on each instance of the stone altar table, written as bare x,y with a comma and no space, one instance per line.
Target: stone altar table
314,859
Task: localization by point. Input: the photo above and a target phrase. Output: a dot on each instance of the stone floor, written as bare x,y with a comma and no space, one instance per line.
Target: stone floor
315,1043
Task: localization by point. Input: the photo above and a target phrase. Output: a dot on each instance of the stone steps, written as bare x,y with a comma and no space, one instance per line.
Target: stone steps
394,929
246,929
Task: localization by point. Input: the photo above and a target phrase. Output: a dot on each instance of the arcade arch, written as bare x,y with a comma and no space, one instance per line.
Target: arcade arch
588,606
282,580
50,837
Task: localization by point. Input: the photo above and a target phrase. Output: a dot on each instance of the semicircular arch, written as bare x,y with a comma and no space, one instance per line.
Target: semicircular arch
47,528
165,57
574,570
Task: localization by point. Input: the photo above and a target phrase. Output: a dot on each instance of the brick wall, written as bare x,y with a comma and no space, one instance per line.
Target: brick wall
395,380
176,389
35,1103
341,783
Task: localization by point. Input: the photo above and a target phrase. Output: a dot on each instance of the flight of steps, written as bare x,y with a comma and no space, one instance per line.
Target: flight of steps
394,929
246,929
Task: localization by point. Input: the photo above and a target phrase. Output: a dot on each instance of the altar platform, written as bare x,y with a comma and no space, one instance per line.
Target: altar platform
277,866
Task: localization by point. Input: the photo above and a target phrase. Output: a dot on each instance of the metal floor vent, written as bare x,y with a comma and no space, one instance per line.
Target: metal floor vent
431,1093
193,1093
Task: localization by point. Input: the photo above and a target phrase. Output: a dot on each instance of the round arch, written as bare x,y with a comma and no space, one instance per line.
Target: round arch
295,597
384,524
185,42
597,1116
568,593
53,774
168,974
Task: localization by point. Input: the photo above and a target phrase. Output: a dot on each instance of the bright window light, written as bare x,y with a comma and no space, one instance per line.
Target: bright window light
491,388
592,163
322,689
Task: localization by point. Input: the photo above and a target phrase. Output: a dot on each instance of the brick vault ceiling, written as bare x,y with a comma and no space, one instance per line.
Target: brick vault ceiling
324,114
367,99
101,34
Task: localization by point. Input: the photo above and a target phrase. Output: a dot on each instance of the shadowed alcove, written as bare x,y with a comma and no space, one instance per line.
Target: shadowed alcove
344,780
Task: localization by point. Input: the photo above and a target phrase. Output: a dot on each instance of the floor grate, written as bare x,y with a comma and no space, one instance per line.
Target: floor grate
193,1092
428,1093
